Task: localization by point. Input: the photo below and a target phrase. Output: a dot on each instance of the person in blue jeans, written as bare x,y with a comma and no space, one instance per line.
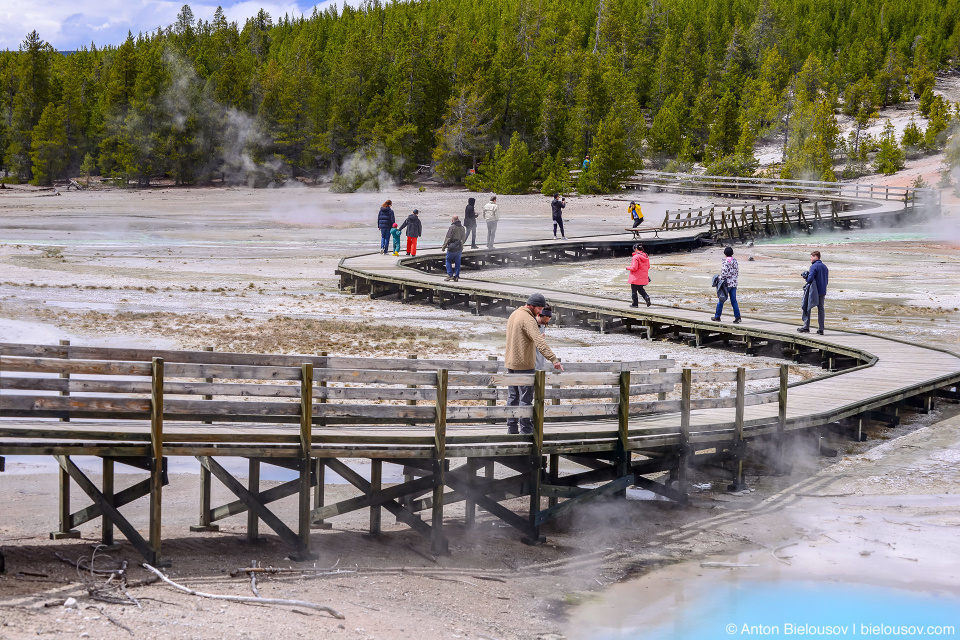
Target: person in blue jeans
385,222
729,272
453,245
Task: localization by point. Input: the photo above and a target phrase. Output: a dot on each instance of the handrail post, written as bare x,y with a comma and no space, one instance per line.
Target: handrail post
204,523
663,394
686,384
623,430
739,444
438,544
782,419
66,530
156,452
536,453
319,468
306,463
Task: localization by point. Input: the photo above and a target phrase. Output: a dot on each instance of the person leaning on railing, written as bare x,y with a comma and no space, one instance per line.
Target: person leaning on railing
524,340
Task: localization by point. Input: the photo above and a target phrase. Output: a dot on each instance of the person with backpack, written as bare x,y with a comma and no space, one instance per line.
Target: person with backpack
639,269
635,213
491,213
414,231
453,245
470,222
385,222
556,211
727,280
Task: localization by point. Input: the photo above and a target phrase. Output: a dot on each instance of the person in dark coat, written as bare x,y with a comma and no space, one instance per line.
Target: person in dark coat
556,208
453,245
818,274
414,231
470,222
385,222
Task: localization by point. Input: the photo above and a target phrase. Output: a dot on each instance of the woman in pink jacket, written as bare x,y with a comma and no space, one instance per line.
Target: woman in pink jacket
639,269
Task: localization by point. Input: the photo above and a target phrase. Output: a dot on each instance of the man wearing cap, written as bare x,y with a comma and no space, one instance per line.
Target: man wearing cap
524,340
414,231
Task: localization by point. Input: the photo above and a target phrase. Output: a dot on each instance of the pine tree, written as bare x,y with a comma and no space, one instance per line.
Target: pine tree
515,168
912,139
890,158
611,162
49,151
88,168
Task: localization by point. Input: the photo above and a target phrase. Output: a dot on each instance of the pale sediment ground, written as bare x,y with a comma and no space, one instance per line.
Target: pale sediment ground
253,271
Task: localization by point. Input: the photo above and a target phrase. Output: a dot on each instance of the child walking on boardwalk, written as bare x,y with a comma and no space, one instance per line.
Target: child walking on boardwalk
395,233
639,269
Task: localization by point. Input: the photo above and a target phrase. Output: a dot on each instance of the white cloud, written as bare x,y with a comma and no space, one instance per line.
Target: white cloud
68,26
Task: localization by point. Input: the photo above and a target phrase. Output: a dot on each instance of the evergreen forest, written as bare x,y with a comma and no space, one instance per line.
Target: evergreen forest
522,89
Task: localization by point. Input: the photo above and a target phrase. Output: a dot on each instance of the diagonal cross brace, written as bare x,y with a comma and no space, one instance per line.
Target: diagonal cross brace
252,501
492,506
108,510
374,499
402,513
568,505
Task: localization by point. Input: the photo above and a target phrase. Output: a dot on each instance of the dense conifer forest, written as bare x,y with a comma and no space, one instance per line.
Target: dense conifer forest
523,88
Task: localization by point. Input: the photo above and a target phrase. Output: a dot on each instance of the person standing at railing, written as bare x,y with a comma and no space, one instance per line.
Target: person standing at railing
639,269
524,340
817,276
470,222
729,273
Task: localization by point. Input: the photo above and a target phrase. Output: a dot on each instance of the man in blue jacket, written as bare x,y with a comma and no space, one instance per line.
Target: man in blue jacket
818,274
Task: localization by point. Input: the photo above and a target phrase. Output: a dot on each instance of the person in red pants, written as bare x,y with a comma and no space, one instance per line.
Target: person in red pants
414,231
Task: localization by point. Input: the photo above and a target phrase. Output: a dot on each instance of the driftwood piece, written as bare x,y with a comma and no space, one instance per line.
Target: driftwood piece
290,603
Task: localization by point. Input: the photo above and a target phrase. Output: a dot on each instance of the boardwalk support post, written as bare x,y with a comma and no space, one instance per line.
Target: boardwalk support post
156,461
686,385
536,456
306,462
438,544
782,467
739,442
623,430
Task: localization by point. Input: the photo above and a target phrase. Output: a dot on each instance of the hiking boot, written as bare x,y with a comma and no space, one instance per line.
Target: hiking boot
819,332
715,319
448,278
736,320
512,429
803,330
526,431
634,305
647,300
456,278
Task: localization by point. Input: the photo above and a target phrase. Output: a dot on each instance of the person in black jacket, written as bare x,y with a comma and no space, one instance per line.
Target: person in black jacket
556,207
414,231
470,222
385,222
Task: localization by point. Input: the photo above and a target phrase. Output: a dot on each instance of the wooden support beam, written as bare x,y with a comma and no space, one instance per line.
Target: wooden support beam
438,544
265,497
612,487
739,443
206,512
109,511
686,385
254,505
65,531
536,455
403,514
780,464
470,509
306,464
623,429
253,486
106,527
156,452
319,470
126,496
375,497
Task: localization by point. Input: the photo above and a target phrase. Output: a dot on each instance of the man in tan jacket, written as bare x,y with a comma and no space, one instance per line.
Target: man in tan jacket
524,340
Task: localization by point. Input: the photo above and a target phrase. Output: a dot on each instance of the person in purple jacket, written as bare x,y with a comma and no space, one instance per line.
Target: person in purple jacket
818,274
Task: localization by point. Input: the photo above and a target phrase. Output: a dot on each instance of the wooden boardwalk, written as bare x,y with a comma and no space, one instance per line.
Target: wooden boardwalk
622,424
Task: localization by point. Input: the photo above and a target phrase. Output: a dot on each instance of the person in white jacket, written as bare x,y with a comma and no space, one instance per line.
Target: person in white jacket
491,213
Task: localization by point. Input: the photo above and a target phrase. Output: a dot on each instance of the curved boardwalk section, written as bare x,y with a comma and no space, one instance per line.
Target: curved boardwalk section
614,425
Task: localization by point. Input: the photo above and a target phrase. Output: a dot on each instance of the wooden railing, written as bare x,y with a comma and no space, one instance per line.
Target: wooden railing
372,391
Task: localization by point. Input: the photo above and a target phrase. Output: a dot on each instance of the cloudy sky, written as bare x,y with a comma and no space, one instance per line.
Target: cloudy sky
68,25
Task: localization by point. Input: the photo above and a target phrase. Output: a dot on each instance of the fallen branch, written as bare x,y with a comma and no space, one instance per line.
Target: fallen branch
290,603
783,546
107,616
726,565
423,554
253,580
472,584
